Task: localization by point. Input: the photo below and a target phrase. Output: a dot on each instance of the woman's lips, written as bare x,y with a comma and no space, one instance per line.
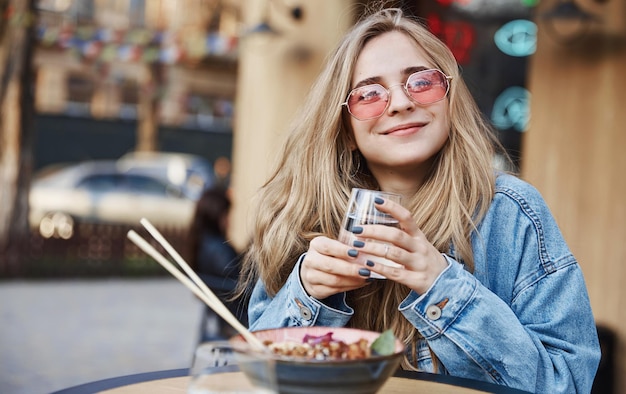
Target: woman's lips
405,129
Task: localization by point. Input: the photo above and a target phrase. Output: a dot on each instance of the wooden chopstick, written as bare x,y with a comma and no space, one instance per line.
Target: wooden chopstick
199,288
178,259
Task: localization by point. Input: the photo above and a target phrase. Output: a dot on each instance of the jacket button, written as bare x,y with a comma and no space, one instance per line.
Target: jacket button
306,313
433,312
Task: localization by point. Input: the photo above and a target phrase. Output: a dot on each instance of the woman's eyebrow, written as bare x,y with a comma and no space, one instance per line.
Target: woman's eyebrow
367,81
406,72
410,70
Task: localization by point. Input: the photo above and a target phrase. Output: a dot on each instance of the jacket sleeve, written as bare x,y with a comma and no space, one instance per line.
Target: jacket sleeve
472,332
524,320
292,306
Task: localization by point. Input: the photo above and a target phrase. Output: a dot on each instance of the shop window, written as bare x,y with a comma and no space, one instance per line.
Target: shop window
129,94
206,111
80,90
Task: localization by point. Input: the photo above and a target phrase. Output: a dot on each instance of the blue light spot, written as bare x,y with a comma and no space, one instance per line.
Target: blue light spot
517,38
511,109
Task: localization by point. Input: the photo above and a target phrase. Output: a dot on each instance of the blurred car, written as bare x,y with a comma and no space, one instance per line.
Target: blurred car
162,188
192,173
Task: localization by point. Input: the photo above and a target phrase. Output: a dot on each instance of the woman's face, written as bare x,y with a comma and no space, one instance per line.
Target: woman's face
405,139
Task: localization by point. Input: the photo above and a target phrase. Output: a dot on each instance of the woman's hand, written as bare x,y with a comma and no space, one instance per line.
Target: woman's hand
421,263
329,268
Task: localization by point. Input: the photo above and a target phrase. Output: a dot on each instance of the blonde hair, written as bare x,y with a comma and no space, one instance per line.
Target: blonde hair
308,191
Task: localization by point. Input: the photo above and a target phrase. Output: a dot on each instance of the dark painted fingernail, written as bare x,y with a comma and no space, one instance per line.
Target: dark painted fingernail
357,229
353,252
364,272
378,200
369,263
358,244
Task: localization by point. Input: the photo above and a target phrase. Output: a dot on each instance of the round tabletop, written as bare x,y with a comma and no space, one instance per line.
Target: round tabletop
395,385
176,382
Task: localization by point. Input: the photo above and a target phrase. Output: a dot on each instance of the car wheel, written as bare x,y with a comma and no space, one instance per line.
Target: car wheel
57,225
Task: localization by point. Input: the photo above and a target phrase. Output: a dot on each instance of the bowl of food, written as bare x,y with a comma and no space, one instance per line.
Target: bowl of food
310,360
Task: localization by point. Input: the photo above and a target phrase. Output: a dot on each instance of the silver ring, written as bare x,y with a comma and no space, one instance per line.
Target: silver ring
386,250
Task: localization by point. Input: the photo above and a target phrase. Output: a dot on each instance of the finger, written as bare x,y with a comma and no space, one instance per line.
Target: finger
396,273
404,217
419,280
375,233
331,247
337,271
322,284
337,282
334,258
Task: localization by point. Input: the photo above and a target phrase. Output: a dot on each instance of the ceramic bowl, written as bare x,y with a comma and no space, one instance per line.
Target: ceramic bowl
298,376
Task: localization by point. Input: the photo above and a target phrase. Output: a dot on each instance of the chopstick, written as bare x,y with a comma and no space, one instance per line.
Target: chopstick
197,286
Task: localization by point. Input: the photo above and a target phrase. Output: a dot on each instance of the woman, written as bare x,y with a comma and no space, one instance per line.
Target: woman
488,288
215,260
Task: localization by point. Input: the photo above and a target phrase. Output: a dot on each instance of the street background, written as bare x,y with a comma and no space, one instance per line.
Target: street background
62,333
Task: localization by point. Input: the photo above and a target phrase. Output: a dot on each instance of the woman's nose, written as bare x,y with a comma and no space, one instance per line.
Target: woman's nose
399,99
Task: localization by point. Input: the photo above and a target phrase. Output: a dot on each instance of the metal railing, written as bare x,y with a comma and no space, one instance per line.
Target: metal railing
95,250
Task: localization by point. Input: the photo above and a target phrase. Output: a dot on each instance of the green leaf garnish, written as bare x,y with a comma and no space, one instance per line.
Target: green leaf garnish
385,344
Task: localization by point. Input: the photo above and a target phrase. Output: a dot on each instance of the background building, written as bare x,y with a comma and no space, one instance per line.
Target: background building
137,67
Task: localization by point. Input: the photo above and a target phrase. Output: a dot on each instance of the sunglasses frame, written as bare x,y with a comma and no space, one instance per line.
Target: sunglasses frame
404,88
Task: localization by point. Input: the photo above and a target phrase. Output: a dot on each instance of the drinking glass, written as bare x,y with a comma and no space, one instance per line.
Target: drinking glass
215,366
361,211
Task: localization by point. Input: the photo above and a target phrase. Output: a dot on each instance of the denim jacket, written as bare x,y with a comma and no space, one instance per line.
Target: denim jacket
522,319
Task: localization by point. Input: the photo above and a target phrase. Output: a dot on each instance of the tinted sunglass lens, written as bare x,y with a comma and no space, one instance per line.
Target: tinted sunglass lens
368,102
427,86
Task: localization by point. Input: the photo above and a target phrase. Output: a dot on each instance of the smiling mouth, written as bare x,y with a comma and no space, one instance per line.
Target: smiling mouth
405,128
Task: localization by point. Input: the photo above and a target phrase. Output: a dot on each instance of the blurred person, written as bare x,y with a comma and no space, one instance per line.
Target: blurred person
486,286
222,168
215,261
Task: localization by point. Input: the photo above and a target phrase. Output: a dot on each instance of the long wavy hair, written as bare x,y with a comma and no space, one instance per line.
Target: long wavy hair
308,191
